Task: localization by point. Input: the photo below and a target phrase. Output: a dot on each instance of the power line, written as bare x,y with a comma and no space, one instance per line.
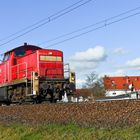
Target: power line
89,26
106,23
42,20
46,20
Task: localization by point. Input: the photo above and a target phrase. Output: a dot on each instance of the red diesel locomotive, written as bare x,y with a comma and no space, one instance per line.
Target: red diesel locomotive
30,73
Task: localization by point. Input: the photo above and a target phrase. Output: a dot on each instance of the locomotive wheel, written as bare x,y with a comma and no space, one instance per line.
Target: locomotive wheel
17,94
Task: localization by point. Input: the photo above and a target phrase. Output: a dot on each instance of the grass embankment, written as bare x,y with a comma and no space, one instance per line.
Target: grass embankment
67,132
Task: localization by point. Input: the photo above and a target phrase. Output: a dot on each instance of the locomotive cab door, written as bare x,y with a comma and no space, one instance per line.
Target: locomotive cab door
14,68
5,71
15,64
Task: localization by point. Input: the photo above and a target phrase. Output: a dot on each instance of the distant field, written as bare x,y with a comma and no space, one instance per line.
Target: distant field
67,132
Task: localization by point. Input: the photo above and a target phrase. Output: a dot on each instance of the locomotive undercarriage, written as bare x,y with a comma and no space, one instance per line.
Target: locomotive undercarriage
16,94
50,90
54,91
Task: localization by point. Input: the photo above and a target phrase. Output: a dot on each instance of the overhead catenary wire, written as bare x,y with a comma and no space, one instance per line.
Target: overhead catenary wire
106,22
45,21
42,20
89,26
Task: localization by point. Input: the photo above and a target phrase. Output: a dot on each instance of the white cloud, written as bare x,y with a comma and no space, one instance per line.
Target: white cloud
133,63
88,59
91,55
119,51
130,66
119,72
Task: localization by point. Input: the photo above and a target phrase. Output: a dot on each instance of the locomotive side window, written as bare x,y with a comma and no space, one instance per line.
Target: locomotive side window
6,56
20,52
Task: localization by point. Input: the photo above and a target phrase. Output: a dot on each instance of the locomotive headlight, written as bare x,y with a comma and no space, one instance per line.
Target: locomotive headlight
36,78
72,78
35,75
35,83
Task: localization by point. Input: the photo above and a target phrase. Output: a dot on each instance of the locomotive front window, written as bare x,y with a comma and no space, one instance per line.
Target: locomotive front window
20,52
50,58
6,56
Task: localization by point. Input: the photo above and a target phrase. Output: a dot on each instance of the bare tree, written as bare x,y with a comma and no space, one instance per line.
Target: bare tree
95,85
91,79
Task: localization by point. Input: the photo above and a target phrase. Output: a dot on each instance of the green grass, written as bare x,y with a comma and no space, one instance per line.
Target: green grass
66,132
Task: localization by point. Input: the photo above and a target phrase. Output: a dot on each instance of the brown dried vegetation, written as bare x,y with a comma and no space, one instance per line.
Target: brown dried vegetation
97,114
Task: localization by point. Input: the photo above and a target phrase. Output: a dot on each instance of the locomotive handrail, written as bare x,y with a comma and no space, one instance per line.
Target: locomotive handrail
67,70
18,71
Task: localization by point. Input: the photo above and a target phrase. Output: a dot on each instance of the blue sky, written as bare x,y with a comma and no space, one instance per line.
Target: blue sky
113,50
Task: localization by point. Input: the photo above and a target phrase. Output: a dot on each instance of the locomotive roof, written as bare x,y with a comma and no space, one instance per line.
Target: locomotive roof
25,46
